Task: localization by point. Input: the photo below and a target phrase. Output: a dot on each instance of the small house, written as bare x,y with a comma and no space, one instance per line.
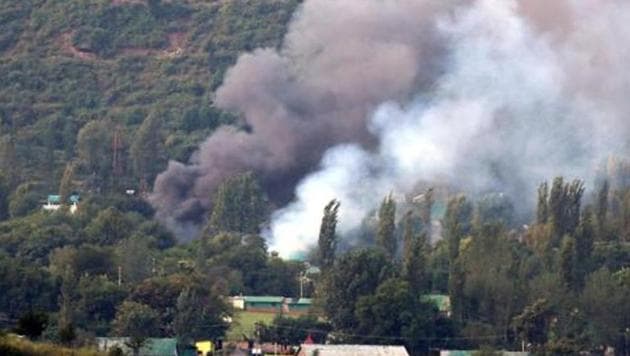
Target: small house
152,346
271,304
53,202
264,303
298,305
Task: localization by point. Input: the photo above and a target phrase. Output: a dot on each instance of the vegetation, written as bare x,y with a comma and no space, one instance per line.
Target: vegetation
14,346
98,95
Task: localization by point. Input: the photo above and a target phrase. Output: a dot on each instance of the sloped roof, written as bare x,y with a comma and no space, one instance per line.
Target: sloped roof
153,346
263,299
352,350
308,301
56,198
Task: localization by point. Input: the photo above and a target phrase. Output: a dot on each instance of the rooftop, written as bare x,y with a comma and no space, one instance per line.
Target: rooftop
263,299
352,350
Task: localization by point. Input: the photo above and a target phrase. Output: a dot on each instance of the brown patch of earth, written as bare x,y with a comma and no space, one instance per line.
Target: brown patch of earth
68,47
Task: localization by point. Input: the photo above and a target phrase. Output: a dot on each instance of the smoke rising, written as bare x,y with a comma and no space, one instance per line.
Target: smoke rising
487,95
339,61
521,101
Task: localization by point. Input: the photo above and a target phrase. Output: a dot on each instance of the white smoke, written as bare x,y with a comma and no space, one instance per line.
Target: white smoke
516,106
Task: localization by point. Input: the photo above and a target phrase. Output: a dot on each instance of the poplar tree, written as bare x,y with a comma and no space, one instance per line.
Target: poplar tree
65,186
564,207
385,236
602,209
414,255
584,246
457,221
327,242
147,148
239,206
425,211
567,262
542,209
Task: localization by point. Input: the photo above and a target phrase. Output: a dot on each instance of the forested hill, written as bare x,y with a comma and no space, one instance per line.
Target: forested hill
76,73
95,97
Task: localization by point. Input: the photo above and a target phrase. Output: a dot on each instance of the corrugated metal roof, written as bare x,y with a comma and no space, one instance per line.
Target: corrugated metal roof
263,299
153,346
352,350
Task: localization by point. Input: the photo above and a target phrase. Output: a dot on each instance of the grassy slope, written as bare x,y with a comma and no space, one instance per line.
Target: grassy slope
244,324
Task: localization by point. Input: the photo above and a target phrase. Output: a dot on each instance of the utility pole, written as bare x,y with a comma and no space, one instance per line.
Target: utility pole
119,275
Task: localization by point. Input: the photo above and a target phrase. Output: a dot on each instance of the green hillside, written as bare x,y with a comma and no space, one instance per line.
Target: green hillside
66,64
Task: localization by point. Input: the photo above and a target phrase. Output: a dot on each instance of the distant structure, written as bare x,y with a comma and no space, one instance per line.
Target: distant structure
351,350
53,203
272,304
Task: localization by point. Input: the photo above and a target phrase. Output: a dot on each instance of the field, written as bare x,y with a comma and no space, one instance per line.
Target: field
244,323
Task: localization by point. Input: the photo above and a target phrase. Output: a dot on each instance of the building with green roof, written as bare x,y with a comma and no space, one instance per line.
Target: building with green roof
271,303
153,346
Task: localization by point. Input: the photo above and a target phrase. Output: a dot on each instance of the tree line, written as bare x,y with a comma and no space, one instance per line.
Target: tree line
556,286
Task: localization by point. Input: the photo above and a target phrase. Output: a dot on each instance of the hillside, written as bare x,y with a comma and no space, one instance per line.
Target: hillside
66,64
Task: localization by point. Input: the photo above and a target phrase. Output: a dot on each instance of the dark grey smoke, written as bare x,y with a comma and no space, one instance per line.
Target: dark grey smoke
370,96
340,59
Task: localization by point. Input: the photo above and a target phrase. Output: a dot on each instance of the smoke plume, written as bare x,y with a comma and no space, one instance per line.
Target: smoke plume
338,62
486,95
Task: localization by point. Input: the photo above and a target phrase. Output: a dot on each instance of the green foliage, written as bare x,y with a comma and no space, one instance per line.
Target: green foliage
200,315
604,303
146,147
385,236
98,298
32,324
327,242
495,208
414,257
490,292
564,207
457,224
567,262
109,227
92,65
355,274
11,345
542,208
395,310
239,206
25,200
25,287
288,331
93,149
4,198
135,320
84,260
533,323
